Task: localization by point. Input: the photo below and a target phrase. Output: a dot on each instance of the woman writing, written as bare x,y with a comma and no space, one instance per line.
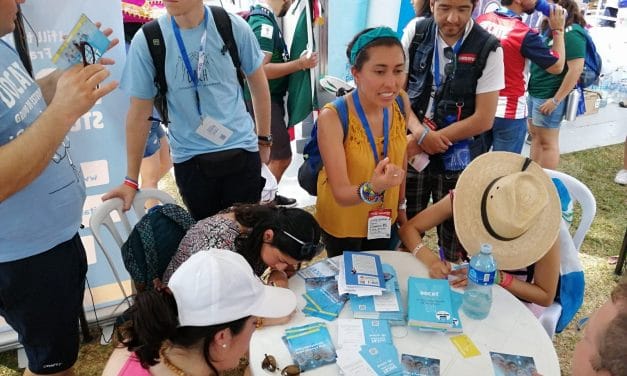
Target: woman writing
267,236
194,327
361,186
508,201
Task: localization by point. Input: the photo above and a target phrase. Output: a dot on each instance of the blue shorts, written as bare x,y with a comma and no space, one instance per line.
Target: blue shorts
41,297
552,120
153,143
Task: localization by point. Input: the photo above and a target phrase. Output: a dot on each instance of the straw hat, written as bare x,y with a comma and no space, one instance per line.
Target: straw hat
521,210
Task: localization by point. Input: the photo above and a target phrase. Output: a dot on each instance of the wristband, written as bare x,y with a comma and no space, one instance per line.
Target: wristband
422,136
417,248
555,101
403,204
506,280
131,183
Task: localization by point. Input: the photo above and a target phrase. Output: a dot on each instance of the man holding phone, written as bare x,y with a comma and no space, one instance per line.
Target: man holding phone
42,262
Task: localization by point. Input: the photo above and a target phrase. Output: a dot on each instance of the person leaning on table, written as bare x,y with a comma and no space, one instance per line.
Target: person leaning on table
202,323
508,201
267,236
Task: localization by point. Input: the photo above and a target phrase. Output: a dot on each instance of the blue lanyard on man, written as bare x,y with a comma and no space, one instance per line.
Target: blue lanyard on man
436,60
366,125
201,56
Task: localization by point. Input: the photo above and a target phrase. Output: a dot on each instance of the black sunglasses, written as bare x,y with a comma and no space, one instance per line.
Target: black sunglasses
451,66
87,52
308,248
269,364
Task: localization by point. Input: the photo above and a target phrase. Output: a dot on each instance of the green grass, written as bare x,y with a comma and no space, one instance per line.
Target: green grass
595,167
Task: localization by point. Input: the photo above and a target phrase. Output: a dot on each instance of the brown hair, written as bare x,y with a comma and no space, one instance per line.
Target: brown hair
613,344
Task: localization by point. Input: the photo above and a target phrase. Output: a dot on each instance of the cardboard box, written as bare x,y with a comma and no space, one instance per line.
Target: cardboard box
593,100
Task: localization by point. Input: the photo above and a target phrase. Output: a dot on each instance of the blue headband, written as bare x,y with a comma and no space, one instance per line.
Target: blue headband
369,36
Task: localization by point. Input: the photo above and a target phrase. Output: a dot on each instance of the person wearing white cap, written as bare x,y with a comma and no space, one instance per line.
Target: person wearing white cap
202,323
508,201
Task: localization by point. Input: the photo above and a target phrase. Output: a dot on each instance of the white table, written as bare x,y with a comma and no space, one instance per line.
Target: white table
510,328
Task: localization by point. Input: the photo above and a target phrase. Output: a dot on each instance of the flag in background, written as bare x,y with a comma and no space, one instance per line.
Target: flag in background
300,99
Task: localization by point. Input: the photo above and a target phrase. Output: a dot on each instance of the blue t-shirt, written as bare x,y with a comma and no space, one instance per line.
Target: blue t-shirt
221,97
48,211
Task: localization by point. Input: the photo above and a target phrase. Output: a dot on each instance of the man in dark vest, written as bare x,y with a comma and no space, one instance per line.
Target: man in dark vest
455,73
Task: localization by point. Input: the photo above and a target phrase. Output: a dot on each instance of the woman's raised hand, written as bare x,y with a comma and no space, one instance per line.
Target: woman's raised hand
386,175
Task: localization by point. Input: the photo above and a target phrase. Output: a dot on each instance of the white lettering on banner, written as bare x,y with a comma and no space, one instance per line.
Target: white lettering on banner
45,36
90,249
89,120
95,173
90,205
44,53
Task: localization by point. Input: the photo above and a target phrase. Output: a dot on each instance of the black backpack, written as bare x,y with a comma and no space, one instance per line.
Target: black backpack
152,243
156,46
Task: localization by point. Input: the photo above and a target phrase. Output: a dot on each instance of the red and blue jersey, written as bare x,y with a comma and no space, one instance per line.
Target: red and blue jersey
520,44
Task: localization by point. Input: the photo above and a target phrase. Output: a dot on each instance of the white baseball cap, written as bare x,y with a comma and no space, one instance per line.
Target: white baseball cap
217,286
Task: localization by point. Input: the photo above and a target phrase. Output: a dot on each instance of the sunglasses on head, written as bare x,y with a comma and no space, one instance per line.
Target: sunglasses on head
306,247
451,66
269,364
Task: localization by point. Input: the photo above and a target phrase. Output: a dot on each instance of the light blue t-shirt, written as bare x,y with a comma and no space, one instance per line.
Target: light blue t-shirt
48,211
220,94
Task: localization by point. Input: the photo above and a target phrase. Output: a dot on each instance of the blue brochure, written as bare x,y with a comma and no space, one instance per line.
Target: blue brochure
414,365
363,269
85,44
383,358
310,346
429,304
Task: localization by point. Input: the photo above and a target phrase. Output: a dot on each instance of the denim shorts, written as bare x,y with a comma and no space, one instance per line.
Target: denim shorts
153,143
552,120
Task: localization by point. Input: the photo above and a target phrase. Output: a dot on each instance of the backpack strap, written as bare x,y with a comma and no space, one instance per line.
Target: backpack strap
482,58
225,29
419,35
342,111
156,46
401,104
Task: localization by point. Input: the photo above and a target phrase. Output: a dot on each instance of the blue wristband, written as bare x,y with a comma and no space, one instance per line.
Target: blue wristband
422,136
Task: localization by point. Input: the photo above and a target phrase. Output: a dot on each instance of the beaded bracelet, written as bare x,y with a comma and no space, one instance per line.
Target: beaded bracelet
423,135
367,194
131,183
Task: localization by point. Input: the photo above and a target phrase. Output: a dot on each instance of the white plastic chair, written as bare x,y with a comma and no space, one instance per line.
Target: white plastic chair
580,193
102,216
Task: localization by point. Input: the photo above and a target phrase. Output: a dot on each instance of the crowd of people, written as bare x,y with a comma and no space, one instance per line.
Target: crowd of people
451,88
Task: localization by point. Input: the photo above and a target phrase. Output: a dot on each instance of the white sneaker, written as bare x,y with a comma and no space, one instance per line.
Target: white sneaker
621,177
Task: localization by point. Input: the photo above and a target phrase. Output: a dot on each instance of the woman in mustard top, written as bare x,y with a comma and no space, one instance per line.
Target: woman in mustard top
361,192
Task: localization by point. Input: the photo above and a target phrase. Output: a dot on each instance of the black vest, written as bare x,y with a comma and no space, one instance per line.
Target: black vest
458,90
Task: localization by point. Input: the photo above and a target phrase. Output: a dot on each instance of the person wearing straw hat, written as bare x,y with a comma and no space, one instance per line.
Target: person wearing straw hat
508,201
202,323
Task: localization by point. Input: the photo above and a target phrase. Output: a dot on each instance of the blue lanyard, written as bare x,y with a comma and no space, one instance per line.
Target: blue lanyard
436,59
364,123
201,56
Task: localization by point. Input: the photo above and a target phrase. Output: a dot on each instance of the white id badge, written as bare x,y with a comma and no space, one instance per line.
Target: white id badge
214,131
379,224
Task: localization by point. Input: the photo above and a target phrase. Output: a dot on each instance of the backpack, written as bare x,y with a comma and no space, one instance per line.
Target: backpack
592,64
312,164
152,243
156,46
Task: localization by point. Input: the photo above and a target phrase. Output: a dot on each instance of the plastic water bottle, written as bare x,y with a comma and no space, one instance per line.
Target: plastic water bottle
478,295
544,7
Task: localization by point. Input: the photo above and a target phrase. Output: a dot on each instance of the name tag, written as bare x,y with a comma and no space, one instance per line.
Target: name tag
379,224
213,131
